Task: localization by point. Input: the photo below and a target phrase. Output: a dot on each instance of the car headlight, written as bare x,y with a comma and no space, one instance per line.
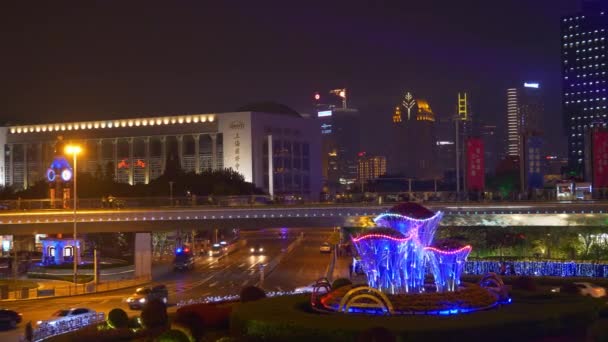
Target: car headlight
261,249
142,300
129,300
252,250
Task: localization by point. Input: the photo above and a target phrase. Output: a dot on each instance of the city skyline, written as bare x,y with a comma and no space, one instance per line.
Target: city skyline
167,60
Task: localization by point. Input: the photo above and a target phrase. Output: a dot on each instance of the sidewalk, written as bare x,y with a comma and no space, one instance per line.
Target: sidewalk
341,270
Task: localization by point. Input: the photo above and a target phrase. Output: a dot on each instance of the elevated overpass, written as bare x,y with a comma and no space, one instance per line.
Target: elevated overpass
321,215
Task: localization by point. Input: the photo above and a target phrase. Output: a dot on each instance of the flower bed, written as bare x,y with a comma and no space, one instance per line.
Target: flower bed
469,297
290,318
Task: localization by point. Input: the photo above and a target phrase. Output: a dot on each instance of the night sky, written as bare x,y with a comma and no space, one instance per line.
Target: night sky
73,61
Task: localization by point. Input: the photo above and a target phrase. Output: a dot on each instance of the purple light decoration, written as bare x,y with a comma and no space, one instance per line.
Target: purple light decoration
382,254
447,266
395,256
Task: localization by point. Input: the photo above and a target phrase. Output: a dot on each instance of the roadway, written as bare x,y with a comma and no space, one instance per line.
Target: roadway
212,277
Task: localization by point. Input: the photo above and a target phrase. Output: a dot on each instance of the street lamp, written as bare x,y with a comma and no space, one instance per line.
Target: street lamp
74,150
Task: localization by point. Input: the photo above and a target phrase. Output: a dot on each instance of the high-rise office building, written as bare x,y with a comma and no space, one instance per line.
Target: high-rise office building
414,149
340,139
513,123
584,37
524,112
370,167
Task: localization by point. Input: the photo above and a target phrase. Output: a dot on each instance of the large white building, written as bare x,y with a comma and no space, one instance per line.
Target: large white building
136,149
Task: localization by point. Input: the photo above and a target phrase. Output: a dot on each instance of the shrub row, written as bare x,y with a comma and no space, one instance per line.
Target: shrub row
287,319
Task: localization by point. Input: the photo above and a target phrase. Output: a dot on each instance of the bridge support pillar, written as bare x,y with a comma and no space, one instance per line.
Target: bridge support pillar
143,255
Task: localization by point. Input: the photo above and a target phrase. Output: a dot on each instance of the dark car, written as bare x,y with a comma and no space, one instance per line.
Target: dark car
257,249
183,261
145,294
9,318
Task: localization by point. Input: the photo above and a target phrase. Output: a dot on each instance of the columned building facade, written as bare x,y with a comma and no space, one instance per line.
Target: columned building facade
135,150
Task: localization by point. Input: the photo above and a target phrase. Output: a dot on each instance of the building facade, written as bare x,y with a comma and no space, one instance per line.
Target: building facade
370,167
135,150
340,135
414,148
584,37
524,113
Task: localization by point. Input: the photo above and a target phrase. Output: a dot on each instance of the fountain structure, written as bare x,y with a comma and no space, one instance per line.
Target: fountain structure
396,255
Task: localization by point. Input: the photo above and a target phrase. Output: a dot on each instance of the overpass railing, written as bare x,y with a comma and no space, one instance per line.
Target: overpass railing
264,200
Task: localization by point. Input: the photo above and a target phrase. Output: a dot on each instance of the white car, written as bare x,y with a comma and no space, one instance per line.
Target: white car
587,289
66,315
309,288
325,248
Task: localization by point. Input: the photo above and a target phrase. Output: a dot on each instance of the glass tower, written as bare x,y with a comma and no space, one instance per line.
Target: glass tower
584,38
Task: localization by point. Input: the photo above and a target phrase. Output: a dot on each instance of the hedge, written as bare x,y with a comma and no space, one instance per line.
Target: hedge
289,318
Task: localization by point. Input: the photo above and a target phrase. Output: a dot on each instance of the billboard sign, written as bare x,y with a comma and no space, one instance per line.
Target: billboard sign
533,161
237,150
475,164
600,158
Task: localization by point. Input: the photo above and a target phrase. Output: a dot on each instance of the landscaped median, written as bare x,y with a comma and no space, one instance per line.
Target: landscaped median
530,316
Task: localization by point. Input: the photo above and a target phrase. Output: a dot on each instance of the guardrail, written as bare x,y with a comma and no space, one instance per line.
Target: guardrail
264,200
49,329
73,290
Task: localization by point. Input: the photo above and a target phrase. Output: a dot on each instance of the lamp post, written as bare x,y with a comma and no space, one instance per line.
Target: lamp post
74,150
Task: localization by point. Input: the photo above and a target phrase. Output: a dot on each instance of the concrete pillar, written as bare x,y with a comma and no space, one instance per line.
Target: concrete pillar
197,154
100,153
11,160
147,160
40,157
270,168
115,157
213,151
180,150
143,255
163,153
25,176
131,164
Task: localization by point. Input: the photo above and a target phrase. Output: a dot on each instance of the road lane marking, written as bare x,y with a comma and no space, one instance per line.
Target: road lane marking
213,284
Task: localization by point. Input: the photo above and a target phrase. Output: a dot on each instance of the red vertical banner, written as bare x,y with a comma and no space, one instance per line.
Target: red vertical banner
600,158
475,165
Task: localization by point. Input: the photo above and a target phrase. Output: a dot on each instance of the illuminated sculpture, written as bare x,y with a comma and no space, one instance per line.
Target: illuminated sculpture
395,257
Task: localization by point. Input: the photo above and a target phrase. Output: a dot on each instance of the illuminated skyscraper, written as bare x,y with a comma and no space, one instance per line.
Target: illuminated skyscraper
513,123
340,135
414,148
524,112
584,39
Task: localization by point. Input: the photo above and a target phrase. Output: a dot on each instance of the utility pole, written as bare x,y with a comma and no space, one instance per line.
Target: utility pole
457,143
